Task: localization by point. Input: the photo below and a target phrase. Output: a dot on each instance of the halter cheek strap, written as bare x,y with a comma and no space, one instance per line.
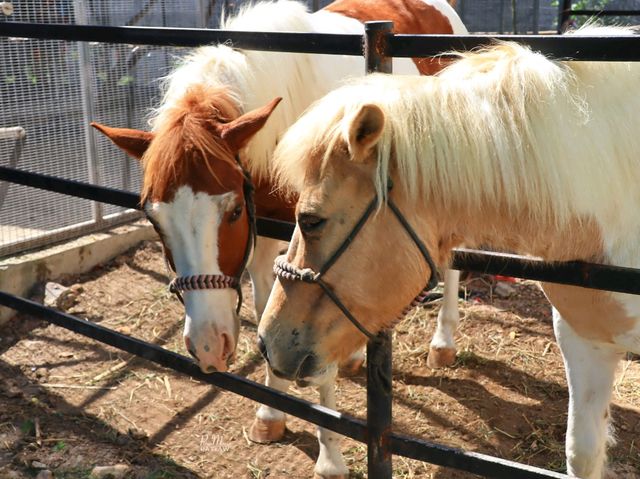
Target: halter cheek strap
286,271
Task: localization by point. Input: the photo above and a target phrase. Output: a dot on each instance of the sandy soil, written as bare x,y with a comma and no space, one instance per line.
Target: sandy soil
68,404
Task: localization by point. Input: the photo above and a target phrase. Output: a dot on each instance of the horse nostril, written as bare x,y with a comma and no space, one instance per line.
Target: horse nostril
263,349
308,366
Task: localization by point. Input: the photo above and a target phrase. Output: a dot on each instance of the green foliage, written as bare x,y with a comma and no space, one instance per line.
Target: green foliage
59,446
125,80
593,5
585,4
28,427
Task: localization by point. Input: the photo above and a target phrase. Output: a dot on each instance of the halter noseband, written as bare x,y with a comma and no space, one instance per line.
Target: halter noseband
286,271
199,282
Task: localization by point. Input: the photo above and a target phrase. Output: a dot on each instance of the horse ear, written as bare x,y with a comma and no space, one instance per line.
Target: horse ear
133,142
238,132
364,131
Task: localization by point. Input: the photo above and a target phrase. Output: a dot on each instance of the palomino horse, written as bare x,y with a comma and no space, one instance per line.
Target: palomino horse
478,154
207,138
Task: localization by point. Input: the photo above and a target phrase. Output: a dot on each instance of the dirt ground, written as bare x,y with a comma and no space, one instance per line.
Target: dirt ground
68,404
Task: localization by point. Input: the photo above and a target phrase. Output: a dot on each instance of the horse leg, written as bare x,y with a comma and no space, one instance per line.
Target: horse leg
442,350
590,369
269,423
330,464
261,271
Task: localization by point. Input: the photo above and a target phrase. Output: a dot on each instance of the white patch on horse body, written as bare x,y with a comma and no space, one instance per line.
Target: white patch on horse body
590,368
447,10
261,270
348,67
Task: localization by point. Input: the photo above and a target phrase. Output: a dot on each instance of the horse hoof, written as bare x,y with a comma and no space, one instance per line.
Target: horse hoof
441,357
349,369
330,476
264,432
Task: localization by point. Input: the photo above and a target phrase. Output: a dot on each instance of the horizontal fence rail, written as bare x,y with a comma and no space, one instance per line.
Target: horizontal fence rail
271,228
605,13
559,47
321,416
327,43
575,273
593,48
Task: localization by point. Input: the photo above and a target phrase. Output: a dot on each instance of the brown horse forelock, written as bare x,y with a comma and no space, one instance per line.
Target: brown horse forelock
187,151
187,148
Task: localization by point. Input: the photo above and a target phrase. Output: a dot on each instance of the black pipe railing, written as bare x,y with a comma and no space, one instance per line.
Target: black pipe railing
271,228
379,351
321,416
566,12
559,47
575,273
327,43
592,48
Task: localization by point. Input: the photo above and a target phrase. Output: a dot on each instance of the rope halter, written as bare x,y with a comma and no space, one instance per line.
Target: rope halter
287,271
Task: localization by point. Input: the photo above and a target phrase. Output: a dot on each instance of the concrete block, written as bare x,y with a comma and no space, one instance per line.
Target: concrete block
20,274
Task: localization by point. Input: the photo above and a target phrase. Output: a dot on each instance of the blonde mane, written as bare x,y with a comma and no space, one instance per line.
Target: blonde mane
502,125
185,134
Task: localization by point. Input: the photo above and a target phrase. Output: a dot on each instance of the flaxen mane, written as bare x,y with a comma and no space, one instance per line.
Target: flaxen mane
185,133
503,124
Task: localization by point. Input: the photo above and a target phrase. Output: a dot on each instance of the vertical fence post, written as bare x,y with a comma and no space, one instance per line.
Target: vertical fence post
203,19
84,57
563,14
379,376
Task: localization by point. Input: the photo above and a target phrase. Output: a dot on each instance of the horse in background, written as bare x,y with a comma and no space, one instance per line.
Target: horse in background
215,132
478,154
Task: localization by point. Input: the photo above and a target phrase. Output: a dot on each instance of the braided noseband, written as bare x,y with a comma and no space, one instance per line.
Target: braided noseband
286,271
199,282
202,281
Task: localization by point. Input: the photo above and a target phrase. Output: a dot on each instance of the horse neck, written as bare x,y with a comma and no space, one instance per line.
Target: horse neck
500,228
272,204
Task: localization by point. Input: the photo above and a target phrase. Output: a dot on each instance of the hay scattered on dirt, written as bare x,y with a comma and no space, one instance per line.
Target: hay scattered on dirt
95,406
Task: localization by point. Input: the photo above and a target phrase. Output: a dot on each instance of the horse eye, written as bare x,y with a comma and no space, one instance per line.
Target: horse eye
310,223
237,212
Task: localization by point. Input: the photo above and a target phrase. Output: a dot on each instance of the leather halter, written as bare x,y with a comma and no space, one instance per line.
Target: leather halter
199,282
285,270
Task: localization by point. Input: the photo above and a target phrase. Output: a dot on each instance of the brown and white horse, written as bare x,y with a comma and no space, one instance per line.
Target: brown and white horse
211,126
476,154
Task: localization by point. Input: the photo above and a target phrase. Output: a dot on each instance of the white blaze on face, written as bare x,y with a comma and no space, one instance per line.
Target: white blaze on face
189,226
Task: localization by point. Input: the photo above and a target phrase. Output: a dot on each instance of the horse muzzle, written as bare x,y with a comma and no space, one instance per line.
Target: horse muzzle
294,364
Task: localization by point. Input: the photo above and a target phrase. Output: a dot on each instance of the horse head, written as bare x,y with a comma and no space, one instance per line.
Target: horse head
198,198
351,269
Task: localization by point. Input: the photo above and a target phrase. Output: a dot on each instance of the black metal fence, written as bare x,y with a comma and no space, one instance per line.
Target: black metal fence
567,12
376,432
